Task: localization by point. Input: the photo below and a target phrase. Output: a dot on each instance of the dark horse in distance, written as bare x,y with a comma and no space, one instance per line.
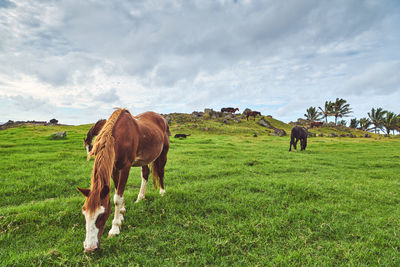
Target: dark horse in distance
95,130
123,142
229,110
298,133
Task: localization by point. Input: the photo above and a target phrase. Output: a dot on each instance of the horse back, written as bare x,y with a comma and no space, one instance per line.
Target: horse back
153,131
298,132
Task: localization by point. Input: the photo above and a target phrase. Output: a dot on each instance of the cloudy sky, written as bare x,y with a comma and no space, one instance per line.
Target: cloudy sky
77,60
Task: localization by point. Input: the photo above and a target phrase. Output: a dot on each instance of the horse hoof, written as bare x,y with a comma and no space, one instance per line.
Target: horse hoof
113,232
162,192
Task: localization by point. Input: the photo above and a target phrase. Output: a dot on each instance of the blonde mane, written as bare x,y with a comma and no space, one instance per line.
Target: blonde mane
103,150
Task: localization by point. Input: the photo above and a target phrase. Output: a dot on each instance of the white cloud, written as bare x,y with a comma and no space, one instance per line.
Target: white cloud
279,57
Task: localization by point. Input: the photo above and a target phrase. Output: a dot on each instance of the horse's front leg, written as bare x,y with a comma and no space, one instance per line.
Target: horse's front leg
145,178
119,202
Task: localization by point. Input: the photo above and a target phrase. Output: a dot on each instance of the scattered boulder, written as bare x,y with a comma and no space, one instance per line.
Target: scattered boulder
366,135
225,120
265,123
321,135
333,134
211,114
279,132
309,134
236,119
169,119
59,135
230,117
197,114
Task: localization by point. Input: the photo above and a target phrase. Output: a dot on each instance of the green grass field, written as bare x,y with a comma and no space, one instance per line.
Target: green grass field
232,199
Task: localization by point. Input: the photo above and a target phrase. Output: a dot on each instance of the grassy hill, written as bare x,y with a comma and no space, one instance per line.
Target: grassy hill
186,122
231,199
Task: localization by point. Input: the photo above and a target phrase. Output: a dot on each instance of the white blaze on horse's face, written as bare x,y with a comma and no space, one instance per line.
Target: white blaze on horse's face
91,242
87,149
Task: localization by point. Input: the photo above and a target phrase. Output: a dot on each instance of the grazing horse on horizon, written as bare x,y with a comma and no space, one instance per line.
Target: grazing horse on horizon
298,133
230,110
252,113
181,135
316,124
123,142
87,142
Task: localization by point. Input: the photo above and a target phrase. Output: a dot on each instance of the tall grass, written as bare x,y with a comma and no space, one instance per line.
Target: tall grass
231,200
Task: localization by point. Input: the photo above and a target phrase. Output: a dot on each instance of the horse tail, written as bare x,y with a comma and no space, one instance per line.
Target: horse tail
103,150
154,171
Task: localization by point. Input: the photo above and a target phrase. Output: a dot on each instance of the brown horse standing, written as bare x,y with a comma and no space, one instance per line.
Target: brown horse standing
252,113
230,110
92,133
124,141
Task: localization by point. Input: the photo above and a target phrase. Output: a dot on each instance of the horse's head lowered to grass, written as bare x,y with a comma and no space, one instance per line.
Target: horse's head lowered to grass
96,210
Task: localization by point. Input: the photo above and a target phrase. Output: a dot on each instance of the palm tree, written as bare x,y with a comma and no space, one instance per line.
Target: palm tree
354,123
326,111
390,121
364,124
398,123
342,123
340,109
312,114
376,117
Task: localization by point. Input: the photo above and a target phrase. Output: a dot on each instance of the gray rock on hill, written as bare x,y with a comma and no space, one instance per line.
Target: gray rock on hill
59,135
267,124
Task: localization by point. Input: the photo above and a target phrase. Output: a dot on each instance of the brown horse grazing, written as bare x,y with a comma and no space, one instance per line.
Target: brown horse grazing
316,124
124,141
252,113
87,142
298,133
230,110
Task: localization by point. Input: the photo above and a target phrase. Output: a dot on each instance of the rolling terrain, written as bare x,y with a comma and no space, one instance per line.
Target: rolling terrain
231,199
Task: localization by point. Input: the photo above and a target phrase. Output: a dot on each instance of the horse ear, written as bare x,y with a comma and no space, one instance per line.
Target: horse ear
84,191
104,192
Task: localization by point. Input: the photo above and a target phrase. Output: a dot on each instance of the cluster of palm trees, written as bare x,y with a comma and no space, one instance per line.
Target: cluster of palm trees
337,109
378,119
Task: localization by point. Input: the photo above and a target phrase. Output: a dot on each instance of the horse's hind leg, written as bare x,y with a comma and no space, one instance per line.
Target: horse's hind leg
145,178
295,144
160,165
119,201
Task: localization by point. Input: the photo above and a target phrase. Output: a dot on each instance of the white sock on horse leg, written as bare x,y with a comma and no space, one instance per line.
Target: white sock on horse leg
162,191
118,217
142,193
